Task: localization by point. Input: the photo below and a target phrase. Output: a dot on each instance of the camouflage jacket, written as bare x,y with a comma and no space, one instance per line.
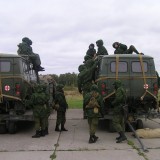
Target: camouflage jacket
122,49
91,102
61,101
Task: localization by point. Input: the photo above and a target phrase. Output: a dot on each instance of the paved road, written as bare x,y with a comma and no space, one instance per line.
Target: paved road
73,145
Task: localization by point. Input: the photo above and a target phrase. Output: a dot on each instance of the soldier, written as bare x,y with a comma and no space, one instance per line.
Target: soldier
39,101
91,51
25,48
93,103
118,116
101,49
122,49
51,92
86,77
61,106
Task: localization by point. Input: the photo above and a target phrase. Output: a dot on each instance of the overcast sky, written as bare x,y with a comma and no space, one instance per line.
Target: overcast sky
61,30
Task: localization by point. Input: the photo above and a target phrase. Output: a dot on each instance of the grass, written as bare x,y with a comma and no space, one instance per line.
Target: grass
74,98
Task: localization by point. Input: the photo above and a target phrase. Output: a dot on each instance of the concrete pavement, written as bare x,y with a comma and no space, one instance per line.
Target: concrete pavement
73,145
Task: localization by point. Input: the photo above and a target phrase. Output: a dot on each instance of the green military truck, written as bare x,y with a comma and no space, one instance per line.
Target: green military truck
16,82
138,75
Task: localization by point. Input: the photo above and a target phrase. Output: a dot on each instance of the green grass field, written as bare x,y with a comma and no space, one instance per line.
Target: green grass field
74,99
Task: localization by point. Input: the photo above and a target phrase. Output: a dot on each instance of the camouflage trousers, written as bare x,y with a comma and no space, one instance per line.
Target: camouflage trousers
93,123
40,123
118,122
61,118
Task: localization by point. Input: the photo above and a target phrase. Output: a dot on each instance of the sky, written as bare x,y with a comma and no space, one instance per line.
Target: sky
61,30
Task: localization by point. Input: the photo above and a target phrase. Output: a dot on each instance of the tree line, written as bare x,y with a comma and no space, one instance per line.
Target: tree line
67,79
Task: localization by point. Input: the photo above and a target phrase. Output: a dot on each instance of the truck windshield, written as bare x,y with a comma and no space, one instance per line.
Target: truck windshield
5,66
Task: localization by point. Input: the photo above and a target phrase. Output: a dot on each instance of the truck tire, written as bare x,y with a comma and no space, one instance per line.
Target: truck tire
12,127
3,128
139,124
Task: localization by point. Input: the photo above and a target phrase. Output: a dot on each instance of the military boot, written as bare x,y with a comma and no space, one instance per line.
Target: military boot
91,139
37,135
57,128
117,138
62,128
95,138
122,137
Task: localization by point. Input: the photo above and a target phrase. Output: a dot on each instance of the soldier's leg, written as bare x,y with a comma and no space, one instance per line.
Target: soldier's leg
63,121
91,139
132,49
43,126
116,122
94,127
58,121
37,127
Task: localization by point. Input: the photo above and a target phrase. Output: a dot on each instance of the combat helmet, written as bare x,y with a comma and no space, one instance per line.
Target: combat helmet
27,40
99,43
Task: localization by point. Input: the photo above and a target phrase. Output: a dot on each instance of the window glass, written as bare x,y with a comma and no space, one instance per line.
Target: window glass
122,67
136,67
5,66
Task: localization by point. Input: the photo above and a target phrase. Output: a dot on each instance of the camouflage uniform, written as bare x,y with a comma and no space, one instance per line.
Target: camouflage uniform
86,76
39,101
61,106
118,116
101,49
91,51
93,102
25,48
122,49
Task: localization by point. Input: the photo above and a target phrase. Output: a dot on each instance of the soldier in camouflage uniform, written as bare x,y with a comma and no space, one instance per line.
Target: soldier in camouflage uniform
86,77
25,48
91,51
93,102
118,116
39,101
122,49
61,106
101,49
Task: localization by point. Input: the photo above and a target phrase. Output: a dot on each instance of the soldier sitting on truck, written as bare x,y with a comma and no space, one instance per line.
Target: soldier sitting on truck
122,49
25,49
101,49
91,51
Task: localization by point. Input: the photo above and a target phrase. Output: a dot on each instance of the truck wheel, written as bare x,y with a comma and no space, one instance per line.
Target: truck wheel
3,128
139,124
12,127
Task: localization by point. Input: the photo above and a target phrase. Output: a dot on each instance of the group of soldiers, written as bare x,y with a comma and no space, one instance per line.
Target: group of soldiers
93,104
46,96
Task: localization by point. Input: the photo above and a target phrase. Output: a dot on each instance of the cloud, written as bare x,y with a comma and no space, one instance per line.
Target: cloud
62,30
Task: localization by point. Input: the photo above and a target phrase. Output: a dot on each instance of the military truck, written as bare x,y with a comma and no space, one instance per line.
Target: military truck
16,82
138,75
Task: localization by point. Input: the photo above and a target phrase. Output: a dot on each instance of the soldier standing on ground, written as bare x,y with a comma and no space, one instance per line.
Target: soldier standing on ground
86,77
39,101
61,106
101,49
93,102
25,48
122,49
118,116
